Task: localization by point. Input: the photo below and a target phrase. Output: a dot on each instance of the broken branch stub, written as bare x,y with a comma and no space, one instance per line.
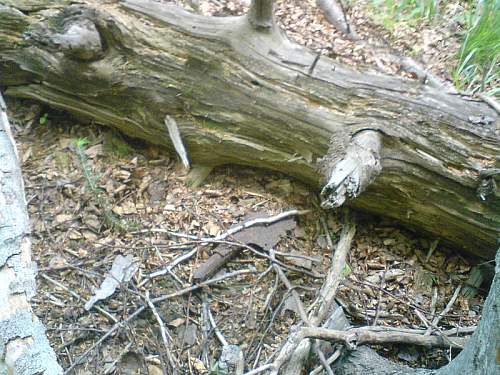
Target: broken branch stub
260,14
350,176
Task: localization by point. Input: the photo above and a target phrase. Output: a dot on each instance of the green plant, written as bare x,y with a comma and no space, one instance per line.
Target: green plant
98,195
479,55
116,144
391,12
43,119
216,370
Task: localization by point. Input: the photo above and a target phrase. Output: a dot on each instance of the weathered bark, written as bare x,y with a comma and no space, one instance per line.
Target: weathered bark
242,93
24,349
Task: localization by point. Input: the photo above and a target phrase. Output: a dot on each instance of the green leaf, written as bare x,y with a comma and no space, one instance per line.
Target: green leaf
43,119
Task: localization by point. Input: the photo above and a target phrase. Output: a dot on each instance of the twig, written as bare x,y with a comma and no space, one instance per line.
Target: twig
203,284
445,311
263,255
300,307
313,65
429,326
143,307
329,360
329,288
448,332
218,333
327,233
230,232
163,330
354,337
111,366
433,303
78,297
325,298
491,102
103,338
169,268
259,221
298,256
377,311
259,369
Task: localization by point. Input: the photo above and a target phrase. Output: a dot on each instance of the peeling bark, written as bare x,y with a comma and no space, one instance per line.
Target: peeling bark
24,349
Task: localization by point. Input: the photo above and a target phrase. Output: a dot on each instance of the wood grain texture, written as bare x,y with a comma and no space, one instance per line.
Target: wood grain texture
250,97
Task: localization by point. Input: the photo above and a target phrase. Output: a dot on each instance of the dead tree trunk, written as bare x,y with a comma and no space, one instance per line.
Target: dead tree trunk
240,92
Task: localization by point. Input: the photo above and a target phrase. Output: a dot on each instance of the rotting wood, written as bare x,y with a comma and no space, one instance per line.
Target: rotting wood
356,170
243,96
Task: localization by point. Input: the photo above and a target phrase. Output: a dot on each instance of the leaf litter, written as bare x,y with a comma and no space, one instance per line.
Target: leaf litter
391,273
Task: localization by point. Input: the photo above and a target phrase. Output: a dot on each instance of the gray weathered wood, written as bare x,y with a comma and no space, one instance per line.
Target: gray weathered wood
246,95
24,349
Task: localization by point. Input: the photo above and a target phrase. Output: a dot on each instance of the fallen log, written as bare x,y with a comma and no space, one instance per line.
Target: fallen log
240,92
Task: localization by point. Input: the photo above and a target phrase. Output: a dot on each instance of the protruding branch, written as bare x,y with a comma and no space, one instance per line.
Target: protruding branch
355,171
260,14
335,14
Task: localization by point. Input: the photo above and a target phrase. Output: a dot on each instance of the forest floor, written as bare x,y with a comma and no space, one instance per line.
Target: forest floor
145,209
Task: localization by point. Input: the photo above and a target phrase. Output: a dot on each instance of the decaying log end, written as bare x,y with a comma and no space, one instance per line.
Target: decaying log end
355,171
261,15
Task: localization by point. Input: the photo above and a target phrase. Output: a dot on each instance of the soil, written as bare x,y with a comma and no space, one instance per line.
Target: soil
143,207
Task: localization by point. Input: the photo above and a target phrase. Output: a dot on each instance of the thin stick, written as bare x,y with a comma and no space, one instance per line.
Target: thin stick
491,102
169,268
203,284
260,221
78,297
259,369
302,311
377,311
218,333
103,338
445,311
163,330
354,337
230,232
329,360
142,308
329,288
